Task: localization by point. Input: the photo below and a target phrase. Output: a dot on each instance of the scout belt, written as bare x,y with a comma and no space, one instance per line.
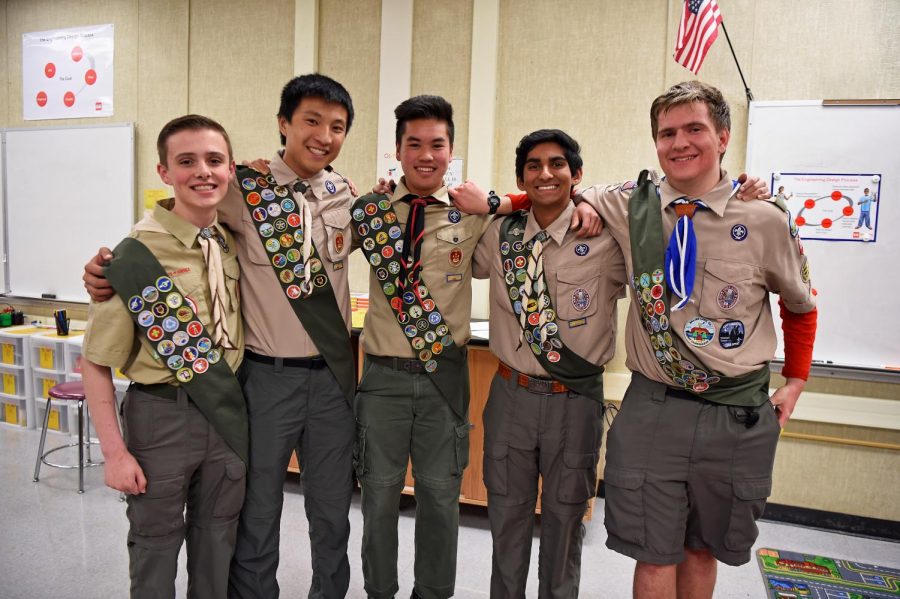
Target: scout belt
171,331
560,362
417,314
651,298
276,217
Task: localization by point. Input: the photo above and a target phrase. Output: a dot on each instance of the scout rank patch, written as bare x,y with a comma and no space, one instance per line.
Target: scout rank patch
649,290
280,228
417,314
174,330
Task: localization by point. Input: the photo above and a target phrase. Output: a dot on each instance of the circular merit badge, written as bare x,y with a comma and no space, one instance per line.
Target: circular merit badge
150,294
699,331
194,328
175,362
248,184
135,304
180,338
145,318
174,300
200,366
155,333
166,347
184,375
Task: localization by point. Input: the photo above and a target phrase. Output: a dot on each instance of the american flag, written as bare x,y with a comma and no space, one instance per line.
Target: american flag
698,29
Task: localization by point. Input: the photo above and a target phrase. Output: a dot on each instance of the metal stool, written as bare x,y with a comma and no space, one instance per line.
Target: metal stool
72,391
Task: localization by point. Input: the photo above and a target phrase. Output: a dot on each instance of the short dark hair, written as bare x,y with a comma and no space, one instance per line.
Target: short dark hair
571,149
313,85
424,107
688,92
192,122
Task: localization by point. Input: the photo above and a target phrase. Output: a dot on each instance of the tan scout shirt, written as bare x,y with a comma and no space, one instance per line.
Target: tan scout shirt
447,250
273,328
744,252
110,339
591,269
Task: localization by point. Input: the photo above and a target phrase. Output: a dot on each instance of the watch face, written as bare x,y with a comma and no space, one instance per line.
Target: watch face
493,202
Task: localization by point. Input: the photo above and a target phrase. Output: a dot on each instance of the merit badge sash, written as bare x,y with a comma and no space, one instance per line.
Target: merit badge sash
542,334
279,224
649,285
417,314
174,335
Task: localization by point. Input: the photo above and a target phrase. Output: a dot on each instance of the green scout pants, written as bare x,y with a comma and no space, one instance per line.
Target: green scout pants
186,462
304,409
555,437
402,416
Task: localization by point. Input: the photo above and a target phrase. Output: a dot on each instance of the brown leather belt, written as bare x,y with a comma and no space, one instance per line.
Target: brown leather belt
531,383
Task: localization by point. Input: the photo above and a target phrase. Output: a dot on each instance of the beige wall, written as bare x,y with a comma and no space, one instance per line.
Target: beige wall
590,67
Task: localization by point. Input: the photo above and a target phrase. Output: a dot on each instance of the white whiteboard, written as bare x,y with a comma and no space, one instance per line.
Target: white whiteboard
68,191
856,281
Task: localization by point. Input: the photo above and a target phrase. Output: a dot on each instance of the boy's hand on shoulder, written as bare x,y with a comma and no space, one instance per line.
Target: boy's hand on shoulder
124,474
259,164
384,187
469,198
94,281
752,188
586,221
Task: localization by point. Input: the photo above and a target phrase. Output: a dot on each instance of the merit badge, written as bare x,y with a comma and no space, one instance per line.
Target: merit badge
582,249
273,210
166,347
375,259
266,230
320,280
428,305
731,334
415,311
164,284
384,204
381,274
456,256
180,338
184,375
425,355
286,276
190,354
293,291
430,366
330,187
170,324
159,309
194,328
390,218
272,245
454,216
739,232
381,238
248,184
657,276
253,199
135,304
727,297
376,223
214,356
371,209
410,331
699,331
520,262
175,362
436,348
200,366
393,267
286,240
150,294
581,299
430,337
145,318
281,191
280,225
338,237
260,214
518,246
358,214
279,260
507,265
645,280
155,333
184,314
417,343
292,255
504,248
656,291
174,300
510,278
293,220
395,232
553,356
204,345
287,205
422,324
267,194
368,244
659,307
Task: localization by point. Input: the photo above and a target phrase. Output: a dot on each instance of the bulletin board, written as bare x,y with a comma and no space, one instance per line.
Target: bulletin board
67,191
826,153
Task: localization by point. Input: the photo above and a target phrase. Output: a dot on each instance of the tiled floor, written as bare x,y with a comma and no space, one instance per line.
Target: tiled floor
56,544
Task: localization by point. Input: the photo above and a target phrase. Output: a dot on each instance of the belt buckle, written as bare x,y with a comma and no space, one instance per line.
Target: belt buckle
409,366
540,386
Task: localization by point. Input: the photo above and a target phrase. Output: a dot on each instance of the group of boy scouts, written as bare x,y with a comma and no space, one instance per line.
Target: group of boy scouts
233,368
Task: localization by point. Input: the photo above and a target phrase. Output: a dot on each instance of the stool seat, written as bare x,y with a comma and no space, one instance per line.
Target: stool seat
71,391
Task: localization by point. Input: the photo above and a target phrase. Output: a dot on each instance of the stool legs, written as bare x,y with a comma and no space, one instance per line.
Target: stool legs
81,446
37,464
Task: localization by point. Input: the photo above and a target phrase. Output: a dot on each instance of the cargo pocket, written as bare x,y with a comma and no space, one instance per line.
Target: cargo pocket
139,419
461,440
231,492
495,467
159,511
747,506
625,505
578,482
359,450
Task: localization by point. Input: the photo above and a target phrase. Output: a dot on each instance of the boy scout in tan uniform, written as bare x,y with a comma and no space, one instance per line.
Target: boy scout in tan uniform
534,424
176,332
690,455
299,376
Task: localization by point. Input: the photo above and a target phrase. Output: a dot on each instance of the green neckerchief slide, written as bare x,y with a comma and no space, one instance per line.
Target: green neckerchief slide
652,298
279,224
171,331
560,362
417,314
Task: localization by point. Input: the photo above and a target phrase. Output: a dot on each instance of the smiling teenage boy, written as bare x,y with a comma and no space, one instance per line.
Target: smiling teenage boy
690,455
552,298
175,330
292,236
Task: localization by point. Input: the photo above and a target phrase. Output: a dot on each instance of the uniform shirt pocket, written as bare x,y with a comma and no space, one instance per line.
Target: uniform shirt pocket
578,292
337,232
255,250
450,242
728,290
232,271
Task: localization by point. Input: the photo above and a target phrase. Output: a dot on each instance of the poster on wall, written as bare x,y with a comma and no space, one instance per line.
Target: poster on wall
832,207
67,73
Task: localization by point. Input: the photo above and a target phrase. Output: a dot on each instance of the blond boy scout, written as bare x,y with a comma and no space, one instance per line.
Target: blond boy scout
176,332
690,455
545,409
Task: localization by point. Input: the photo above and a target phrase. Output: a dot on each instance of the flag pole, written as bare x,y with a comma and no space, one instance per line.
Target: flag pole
740,72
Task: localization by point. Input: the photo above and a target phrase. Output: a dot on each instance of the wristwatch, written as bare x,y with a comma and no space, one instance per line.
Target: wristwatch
493,201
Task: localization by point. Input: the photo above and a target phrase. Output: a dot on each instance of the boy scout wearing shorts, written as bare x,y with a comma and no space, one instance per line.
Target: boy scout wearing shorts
690,455
294,400
534,423
176,332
